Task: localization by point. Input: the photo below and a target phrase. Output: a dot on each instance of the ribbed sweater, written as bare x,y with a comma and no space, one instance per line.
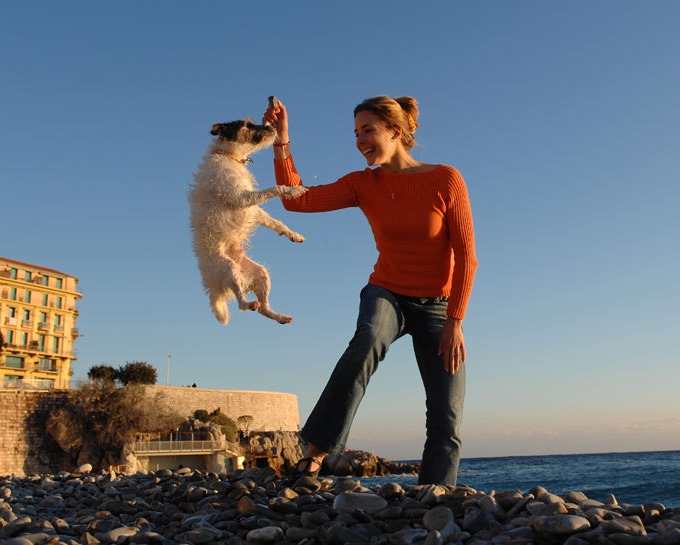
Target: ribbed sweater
421,222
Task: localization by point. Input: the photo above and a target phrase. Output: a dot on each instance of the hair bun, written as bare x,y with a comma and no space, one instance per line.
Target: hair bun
410,107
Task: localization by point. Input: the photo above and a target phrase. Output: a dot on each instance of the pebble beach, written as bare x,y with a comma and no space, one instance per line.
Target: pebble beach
257,507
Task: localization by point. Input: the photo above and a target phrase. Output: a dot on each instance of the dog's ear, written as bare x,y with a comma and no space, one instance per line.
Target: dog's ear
215,129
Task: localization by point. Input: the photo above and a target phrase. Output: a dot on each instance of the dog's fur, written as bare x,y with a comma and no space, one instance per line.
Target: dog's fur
224,213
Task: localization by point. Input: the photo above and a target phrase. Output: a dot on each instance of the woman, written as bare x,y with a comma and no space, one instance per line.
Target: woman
421,283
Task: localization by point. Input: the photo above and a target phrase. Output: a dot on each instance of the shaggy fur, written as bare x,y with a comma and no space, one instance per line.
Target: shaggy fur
224,213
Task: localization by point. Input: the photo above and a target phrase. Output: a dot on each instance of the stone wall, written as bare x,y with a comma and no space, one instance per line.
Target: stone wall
271,411
25,450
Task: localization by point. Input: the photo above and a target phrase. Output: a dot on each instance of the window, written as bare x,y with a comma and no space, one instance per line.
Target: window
28,276
57,319
27,298
10,337
12,312
47,364
45,383
27,314
12,381
55,345
44,299
45,280
13,273
41,343
14,362
24,338
60,282
13,294
59,301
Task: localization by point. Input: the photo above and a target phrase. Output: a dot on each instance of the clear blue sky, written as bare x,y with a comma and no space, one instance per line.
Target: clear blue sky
563,117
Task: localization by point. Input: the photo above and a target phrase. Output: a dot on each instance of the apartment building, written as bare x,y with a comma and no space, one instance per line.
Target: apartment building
37,326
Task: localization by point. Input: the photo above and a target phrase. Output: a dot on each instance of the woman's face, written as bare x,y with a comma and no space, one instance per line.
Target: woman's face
374,140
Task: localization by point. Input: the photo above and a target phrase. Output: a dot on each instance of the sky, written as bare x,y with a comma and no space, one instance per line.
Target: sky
563,118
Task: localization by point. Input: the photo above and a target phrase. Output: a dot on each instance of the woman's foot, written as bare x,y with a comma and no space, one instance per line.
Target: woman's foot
306,467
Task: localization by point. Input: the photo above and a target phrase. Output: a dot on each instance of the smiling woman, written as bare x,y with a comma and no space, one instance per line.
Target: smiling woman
422,224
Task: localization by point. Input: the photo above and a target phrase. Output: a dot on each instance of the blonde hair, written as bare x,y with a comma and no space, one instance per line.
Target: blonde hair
400,114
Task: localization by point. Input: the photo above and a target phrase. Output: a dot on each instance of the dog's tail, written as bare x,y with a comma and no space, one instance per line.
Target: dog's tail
218,304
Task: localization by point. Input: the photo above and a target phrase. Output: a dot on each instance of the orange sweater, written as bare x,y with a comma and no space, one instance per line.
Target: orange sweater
420,221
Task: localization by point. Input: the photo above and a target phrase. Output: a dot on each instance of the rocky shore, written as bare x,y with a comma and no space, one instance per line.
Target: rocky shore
256,507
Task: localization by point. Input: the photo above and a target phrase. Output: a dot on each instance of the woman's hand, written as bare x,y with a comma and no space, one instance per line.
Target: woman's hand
279,118
452,345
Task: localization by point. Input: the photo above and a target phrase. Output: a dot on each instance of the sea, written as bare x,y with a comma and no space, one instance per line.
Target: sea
632,477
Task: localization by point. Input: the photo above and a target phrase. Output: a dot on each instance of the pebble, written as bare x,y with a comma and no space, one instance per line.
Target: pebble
256,507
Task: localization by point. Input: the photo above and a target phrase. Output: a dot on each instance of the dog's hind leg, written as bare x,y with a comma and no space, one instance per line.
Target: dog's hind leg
223,281
260,285
265,220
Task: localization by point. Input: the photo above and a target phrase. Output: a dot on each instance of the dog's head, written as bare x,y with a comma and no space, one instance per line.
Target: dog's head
243,136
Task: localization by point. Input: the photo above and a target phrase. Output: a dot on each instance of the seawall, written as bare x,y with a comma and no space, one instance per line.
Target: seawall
26,450
271,411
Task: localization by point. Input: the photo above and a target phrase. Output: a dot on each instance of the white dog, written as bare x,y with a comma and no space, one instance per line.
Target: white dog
224,213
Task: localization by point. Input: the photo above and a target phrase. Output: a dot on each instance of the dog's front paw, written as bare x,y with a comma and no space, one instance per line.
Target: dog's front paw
292,192
296,237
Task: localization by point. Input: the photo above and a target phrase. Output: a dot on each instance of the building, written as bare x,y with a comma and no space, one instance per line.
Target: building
37,325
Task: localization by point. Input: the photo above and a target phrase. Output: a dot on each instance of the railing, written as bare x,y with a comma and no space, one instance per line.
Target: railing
171,447
37,384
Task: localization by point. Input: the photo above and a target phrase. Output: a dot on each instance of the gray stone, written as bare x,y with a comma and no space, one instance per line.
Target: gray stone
437,518
561,524
408,536
349,501
112,535
434,538
628,525
338,535
294,533
270,534
18,541
15,527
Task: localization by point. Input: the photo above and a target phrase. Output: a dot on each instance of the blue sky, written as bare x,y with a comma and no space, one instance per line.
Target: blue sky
563,117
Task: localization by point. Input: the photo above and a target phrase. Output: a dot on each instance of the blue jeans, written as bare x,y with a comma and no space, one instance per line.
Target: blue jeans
384,317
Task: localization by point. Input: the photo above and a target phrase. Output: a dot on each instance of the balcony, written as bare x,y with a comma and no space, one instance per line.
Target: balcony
44,325
10,321
26,323
59,328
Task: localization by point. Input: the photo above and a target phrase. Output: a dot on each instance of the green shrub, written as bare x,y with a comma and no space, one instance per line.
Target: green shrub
202,415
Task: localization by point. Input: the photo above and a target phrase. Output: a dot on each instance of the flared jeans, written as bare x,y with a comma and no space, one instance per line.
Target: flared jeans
384,317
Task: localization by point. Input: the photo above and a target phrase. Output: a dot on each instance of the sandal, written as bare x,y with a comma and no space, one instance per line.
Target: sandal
304,468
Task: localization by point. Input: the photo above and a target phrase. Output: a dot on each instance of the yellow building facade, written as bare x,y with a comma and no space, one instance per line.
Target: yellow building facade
38,326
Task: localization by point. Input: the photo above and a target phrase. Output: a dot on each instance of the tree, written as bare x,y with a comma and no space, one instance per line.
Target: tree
102,372
137,372
244,423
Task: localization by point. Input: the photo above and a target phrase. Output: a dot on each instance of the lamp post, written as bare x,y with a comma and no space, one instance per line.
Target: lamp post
167,371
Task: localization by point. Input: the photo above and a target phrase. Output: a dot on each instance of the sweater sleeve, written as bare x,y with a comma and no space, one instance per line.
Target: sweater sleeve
318,198
462,235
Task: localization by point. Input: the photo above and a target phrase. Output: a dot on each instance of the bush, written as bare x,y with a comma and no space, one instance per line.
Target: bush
202,415
100,419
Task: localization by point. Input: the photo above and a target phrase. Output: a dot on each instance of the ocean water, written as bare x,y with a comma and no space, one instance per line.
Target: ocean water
633,477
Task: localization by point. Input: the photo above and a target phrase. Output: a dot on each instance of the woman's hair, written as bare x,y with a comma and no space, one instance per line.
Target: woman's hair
400,114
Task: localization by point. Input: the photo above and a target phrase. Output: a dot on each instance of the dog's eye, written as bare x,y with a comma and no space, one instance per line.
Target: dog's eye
250,125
